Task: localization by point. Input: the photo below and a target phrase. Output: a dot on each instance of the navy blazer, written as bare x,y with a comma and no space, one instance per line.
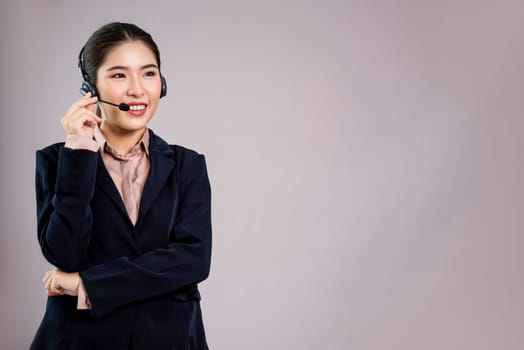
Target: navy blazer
141,279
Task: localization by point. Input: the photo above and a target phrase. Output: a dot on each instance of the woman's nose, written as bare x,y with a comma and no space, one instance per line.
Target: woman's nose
135,87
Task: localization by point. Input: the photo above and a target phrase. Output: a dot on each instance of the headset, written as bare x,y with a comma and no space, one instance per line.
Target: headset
89,86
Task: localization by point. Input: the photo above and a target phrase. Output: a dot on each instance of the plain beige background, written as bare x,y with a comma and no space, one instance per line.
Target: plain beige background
365,157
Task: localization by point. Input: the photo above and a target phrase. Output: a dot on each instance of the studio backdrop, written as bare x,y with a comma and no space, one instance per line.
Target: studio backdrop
365,159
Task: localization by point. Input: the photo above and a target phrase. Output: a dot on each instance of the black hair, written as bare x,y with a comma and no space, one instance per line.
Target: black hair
104,39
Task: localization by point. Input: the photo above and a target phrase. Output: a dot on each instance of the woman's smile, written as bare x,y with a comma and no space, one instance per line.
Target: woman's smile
137,109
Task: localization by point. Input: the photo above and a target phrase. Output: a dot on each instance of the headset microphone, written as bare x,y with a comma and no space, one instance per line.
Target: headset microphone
123,106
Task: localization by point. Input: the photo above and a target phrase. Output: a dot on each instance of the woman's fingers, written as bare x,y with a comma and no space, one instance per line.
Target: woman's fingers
46,277
80,118
84,101
57,282
51,294
47,280
55,287
51,285
79,122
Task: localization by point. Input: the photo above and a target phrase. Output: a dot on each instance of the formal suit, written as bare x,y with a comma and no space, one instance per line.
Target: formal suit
141,279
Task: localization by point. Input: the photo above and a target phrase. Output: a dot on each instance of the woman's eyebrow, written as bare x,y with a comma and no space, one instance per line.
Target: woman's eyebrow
147,66
127,68
117,68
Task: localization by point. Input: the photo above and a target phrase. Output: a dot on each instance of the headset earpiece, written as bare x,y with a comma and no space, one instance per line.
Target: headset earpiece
88,87
163,89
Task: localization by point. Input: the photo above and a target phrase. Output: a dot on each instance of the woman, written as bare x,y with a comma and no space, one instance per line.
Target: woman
123,216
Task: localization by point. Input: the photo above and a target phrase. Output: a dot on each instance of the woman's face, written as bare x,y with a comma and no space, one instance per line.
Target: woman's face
128,74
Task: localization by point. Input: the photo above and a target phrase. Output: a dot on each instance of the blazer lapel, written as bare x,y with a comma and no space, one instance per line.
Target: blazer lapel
162,164
105,182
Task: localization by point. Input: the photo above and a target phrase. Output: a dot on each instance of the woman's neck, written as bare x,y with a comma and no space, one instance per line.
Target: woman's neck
123,141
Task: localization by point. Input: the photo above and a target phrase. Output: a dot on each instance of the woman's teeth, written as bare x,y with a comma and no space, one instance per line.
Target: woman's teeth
137,107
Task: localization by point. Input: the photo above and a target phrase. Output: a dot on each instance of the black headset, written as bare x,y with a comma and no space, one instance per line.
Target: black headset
89,86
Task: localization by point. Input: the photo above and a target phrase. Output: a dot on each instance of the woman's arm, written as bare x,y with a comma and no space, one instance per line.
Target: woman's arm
64,182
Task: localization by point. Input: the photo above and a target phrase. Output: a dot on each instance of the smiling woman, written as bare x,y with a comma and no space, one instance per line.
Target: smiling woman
129,74
123,216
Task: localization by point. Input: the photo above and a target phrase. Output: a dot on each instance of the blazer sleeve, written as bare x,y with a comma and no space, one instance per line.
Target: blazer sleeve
64,185
185,262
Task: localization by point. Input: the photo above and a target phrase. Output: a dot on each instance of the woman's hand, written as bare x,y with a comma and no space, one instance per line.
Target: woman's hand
58,282
80,118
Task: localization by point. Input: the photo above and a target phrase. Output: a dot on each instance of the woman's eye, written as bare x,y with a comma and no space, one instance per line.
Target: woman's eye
118,76
150,74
